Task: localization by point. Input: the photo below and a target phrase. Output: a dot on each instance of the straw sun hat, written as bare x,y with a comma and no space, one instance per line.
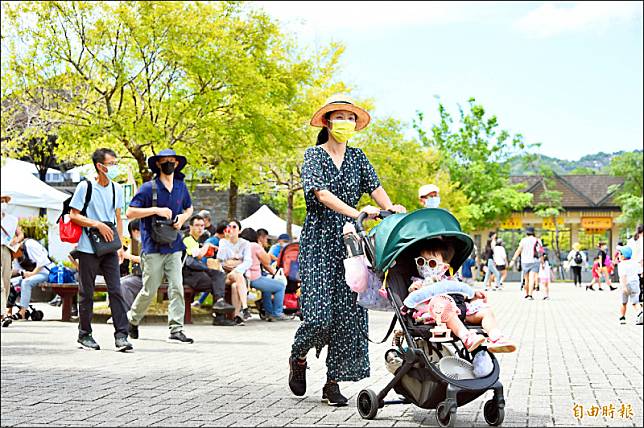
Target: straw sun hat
341,102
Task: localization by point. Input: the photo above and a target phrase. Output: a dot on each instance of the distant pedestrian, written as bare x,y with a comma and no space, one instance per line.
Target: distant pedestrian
629,280
466,270
488,256
606,265
545,275
529,249
577,259
500,257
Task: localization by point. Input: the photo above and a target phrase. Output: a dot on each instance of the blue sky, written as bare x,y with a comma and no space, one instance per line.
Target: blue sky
568,75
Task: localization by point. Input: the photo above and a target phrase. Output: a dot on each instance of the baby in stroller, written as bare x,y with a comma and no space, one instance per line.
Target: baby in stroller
433,266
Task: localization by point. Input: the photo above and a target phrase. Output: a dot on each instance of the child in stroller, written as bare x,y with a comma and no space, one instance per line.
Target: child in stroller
433,266
429,374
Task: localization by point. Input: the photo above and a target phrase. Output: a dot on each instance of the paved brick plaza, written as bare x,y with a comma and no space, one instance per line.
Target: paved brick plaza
572,351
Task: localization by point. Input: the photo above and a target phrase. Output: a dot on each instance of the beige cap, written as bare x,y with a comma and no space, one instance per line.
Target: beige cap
427,189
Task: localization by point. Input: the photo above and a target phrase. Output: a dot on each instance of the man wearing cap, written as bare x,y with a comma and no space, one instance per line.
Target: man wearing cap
428,196
282,241
158,260
529,260
11,237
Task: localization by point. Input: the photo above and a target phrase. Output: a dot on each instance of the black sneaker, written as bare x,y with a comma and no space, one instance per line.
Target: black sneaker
122,344
6,321
238,320
133,331
612,288
639,320
222,321
223,307
74,311
246,314
297,376
180,338
87,342
622,320
331,394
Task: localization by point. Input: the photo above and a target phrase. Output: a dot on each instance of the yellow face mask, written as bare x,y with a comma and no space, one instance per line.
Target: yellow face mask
343,130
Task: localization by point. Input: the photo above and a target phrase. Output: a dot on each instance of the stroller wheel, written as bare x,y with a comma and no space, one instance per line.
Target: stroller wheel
446,416
493,414
367,404
37,315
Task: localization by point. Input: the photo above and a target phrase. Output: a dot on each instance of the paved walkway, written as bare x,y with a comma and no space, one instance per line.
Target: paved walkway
572,352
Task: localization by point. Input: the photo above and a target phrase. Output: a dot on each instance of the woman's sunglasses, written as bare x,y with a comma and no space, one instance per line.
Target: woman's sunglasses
232,226
422,261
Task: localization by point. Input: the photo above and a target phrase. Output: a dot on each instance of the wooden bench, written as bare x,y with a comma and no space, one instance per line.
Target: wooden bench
68,290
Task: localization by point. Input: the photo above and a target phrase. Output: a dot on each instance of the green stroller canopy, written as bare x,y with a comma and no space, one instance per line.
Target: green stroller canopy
398,232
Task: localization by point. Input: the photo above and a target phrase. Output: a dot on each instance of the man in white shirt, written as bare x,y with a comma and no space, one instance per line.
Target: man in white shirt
529,260
629,280
635,243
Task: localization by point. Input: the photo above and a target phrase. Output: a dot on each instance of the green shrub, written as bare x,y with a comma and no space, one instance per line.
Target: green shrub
35,228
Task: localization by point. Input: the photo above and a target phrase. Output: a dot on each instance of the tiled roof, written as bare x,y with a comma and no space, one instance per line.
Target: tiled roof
578,191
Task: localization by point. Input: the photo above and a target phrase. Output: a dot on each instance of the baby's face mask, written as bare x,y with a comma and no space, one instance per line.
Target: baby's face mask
430,267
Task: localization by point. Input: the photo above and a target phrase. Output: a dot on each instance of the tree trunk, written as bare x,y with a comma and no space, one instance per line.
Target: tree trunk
289,213
557,250
141,160
232,199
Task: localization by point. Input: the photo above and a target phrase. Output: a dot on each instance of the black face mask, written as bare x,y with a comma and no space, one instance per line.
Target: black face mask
167,167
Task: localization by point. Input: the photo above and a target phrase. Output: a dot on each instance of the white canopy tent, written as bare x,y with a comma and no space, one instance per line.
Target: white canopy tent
28,195
265,218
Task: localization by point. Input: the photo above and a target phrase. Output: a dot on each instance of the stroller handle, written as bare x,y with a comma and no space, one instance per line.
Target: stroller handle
363,216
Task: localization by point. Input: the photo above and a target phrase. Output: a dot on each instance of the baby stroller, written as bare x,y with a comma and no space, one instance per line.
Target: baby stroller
287,261
12,298
390,248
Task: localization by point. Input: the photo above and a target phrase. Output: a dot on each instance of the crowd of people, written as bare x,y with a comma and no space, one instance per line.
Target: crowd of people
196,254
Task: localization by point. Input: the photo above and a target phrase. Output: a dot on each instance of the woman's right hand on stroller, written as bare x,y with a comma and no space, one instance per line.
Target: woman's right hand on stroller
371,211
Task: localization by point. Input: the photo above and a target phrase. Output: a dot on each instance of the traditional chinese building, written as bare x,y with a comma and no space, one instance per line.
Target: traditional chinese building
588,217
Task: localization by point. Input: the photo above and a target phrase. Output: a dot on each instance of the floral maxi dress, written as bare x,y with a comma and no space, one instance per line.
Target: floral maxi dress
330,315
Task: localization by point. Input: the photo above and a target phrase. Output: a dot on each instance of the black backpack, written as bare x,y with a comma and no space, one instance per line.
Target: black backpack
578,258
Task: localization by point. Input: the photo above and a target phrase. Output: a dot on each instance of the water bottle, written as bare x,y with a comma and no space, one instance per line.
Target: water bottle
59,277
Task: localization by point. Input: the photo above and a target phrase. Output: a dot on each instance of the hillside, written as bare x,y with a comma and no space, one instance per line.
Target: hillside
597,162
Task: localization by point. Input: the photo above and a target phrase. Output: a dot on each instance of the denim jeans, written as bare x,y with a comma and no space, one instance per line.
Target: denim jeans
28,283
491,268
272,294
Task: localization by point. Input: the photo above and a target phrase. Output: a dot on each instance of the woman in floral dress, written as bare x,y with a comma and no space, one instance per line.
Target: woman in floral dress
334,177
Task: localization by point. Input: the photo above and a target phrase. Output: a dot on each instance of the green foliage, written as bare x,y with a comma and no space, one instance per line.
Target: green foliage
404,165
212,80
35,228
583,170
596,163
629,166
476,155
